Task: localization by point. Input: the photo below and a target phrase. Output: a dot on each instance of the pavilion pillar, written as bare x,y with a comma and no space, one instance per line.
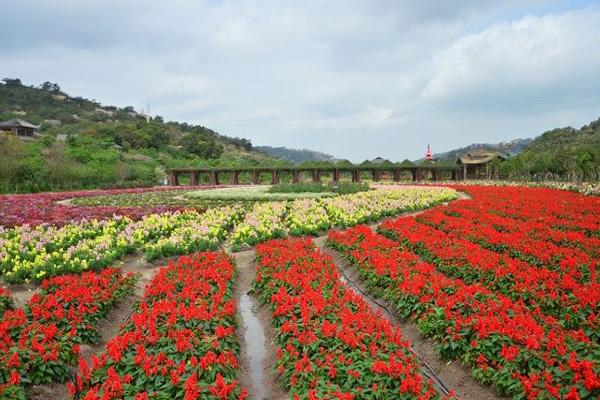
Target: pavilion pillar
316,174
214,178
336,175
193,178
173,181
274,177
416,175
255,180
295,176
235,177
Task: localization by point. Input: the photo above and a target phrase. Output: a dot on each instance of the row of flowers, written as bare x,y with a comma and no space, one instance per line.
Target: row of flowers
28,254
584,188
179,343
545,243
205,233
49,208
563,210
41,342
550,226
554,294
33,253
331,345
312,216
508,346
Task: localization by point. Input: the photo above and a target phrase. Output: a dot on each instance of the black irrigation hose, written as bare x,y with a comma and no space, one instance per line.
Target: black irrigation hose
73,376
426,369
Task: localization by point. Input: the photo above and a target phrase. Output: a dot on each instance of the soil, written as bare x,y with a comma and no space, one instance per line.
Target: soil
262,384
454,375
21,293
66,202
54,391
119,314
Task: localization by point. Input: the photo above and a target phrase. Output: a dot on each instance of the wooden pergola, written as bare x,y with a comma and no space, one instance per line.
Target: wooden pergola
417,172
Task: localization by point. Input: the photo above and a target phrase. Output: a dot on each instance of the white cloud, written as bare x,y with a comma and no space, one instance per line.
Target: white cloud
353,78
531,54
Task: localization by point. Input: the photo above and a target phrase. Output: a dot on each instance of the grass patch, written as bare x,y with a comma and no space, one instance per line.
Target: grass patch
342,188
259,193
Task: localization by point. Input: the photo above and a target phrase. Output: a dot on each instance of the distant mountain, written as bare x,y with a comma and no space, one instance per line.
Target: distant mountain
294,155
511,147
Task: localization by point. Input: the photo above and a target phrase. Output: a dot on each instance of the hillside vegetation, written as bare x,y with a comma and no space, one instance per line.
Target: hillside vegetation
294,155
560,154
87,145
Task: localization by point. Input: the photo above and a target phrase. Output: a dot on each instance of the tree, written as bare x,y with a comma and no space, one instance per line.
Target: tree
58,166
206,148
11,152
153,135
12,82
344,164
50,87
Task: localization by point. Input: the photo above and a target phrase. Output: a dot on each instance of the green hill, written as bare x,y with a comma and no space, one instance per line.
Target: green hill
294,155
84,144
562,153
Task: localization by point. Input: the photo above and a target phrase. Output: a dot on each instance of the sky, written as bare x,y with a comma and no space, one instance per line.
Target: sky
356,79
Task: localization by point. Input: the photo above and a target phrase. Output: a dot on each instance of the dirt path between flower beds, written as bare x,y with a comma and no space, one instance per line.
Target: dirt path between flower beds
123,309
256,336
21,293
454,376
108,327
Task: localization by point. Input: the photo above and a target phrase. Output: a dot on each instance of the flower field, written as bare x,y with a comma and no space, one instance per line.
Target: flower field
34,252
506,282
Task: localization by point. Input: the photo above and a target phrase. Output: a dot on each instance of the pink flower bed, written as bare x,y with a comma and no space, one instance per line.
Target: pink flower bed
40,208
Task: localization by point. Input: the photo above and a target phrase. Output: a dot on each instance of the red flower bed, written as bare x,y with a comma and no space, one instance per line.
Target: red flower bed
538,245
39,343
331,345
561,294
518,350
41,208
558,208
180,342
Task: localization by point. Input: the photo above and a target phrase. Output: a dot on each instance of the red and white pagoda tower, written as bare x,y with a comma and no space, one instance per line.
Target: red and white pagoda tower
428,154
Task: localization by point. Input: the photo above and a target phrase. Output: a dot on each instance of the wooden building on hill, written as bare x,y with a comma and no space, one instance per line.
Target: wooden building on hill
21,128
477,164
